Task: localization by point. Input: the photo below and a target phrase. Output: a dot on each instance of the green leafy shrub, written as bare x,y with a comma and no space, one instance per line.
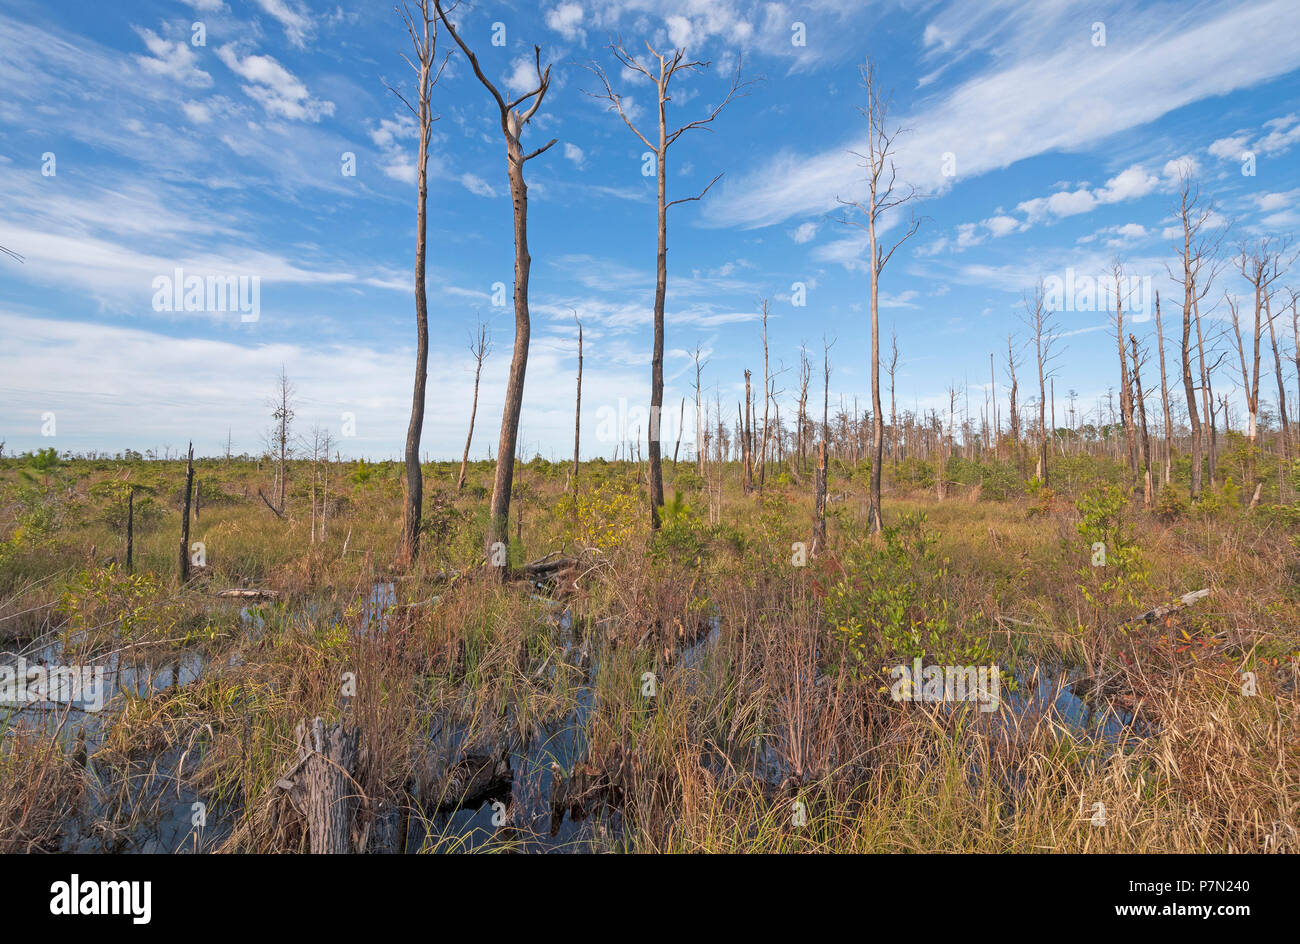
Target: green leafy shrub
891,604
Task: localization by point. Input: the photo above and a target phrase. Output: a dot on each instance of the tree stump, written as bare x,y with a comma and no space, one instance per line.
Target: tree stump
328,758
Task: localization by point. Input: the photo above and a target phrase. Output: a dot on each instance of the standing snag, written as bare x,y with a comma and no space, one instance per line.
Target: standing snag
513,123
480,346
424,39
881,198
660,70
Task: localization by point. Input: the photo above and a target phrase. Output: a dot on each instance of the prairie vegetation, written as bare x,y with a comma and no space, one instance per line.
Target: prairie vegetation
688,689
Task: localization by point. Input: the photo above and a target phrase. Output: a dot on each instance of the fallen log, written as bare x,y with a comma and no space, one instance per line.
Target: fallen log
248,593
1160,612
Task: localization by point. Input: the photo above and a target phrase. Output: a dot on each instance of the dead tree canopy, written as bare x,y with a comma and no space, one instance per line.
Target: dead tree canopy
660,68
515,115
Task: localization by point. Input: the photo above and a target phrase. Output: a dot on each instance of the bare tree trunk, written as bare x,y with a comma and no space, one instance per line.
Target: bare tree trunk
1164,397
819,513
879,165
480,347
1125,386
701,452
762,455
668,66
801,422
1281,385
893,411
1039,321
185,519
747,436
1015,406
328,759
513,122
577,409
130,529
681,420
1145,441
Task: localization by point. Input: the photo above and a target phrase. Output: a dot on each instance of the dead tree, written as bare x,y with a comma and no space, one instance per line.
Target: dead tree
893,412
130,529
577,407
1014,406
681,420
325,784
1125,385
819,512
422,27
1261,265
1196,256
1281,382
767,399
513,123
281,437
1164,396
1042,330
700,452
801,420
480,346
660,68
747,440
881,199
185,519
1144,440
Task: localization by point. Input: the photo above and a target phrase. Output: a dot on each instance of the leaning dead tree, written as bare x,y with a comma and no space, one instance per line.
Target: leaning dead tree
422,27
881,199
480,346
513,123
659,68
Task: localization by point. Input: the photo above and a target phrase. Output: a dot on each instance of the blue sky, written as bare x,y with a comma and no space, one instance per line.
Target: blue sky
128,151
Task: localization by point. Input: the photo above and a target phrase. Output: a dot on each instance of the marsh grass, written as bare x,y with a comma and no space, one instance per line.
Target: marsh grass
758,737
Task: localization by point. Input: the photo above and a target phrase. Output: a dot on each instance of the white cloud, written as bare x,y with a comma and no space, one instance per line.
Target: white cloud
1129,184
1001,225
477,185
574,153
804,232
1271,202
566,19
1186,165
298,25
197,112
1283,133
522,76
174,60
1012,110
273,86
1230,148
